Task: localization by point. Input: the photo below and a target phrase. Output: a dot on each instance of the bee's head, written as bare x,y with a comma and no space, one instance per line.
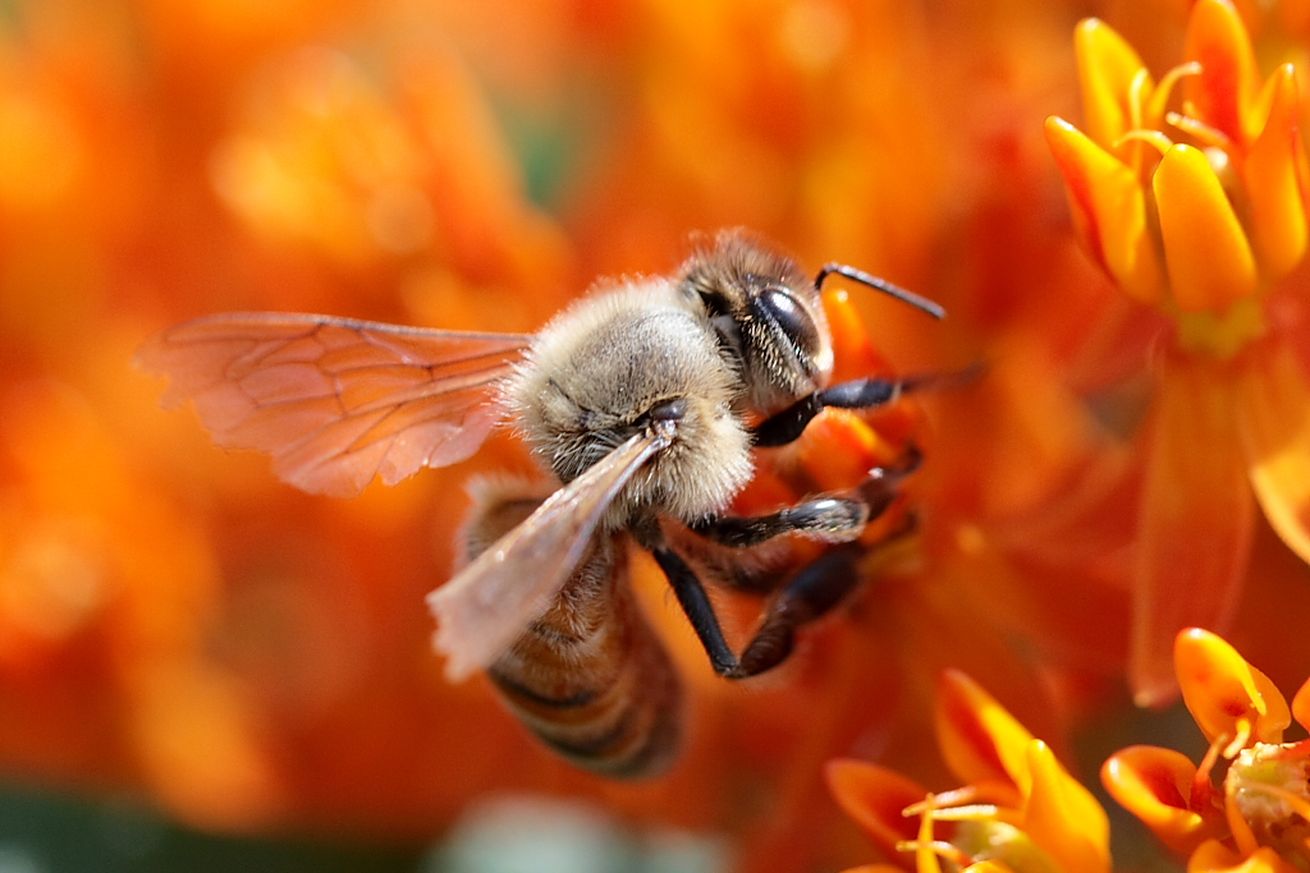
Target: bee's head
767,315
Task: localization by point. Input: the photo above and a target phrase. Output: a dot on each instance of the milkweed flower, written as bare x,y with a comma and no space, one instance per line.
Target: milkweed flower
1247,803
961,586
1018,809
1200,214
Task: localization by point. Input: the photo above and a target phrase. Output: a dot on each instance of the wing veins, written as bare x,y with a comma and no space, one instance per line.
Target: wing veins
410,394
361,443
333,399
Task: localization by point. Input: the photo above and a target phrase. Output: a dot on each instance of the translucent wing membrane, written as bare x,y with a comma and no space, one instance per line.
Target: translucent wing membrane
336,401
489,603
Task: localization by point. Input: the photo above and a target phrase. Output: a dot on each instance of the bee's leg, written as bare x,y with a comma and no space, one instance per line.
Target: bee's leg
825,582
786,426
696,604
808,595
882,484
834,518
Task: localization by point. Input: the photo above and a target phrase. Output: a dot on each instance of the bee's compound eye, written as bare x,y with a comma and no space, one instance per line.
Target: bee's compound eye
788,314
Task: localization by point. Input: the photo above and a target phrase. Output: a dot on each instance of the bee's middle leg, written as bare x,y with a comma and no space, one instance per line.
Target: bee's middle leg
836,518
831,518
807,595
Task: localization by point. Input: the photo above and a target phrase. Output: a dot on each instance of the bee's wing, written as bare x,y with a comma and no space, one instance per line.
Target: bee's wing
488,604
336,401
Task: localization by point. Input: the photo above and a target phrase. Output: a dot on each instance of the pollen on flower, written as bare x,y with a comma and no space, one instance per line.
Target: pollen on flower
1017,809
1189,194
1249,799
1269,787
981,834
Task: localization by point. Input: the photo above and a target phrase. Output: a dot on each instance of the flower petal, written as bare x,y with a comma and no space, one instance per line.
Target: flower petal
840,451
1196,521
1209,259
1275,421
1226,87
854,354
1154,784
1278,219
1214,857
1301,706
1220,688
1063,817
873,797
980,741
1107,68
1109,210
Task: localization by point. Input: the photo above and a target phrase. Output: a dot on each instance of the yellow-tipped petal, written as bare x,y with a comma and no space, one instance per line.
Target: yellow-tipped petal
1278,219
1221,689
1227,86
1155,784
980,741
1062,816
873,797
1109,209
1107,68
1209,259
1196,519
1275,418
1301,706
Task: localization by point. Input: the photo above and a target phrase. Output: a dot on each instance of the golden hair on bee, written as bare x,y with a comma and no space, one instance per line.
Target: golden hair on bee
598,368
645,402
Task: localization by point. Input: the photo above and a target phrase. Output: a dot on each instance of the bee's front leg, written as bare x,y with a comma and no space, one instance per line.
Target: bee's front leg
787,426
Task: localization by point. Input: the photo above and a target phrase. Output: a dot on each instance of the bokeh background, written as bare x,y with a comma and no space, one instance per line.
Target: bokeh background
202,669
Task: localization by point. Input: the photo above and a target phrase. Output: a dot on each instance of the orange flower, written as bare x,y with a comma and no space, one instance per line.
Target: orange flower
980,571
355,169
1018,809
1247,804
1200,214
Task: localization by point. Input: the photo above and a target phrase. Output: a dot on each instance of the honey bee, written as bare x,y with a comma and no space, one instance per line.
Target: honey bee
645,400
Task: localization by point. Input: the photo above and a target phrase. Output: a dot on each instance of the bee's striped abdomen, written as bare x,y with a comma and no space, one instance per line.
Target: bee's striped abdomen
589,677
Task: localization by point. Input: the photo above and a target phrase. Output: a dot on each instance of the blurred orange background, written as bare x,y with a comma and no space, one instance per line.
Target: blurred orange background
179,628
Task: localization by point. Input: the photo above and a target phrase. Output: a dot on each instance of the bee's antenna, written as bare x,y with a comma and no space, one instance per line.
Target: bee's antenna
921,303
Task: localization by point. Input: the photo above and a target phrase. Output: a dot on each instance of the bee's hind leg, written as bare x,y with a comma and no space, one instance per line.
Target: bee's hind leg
822,584
807,596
